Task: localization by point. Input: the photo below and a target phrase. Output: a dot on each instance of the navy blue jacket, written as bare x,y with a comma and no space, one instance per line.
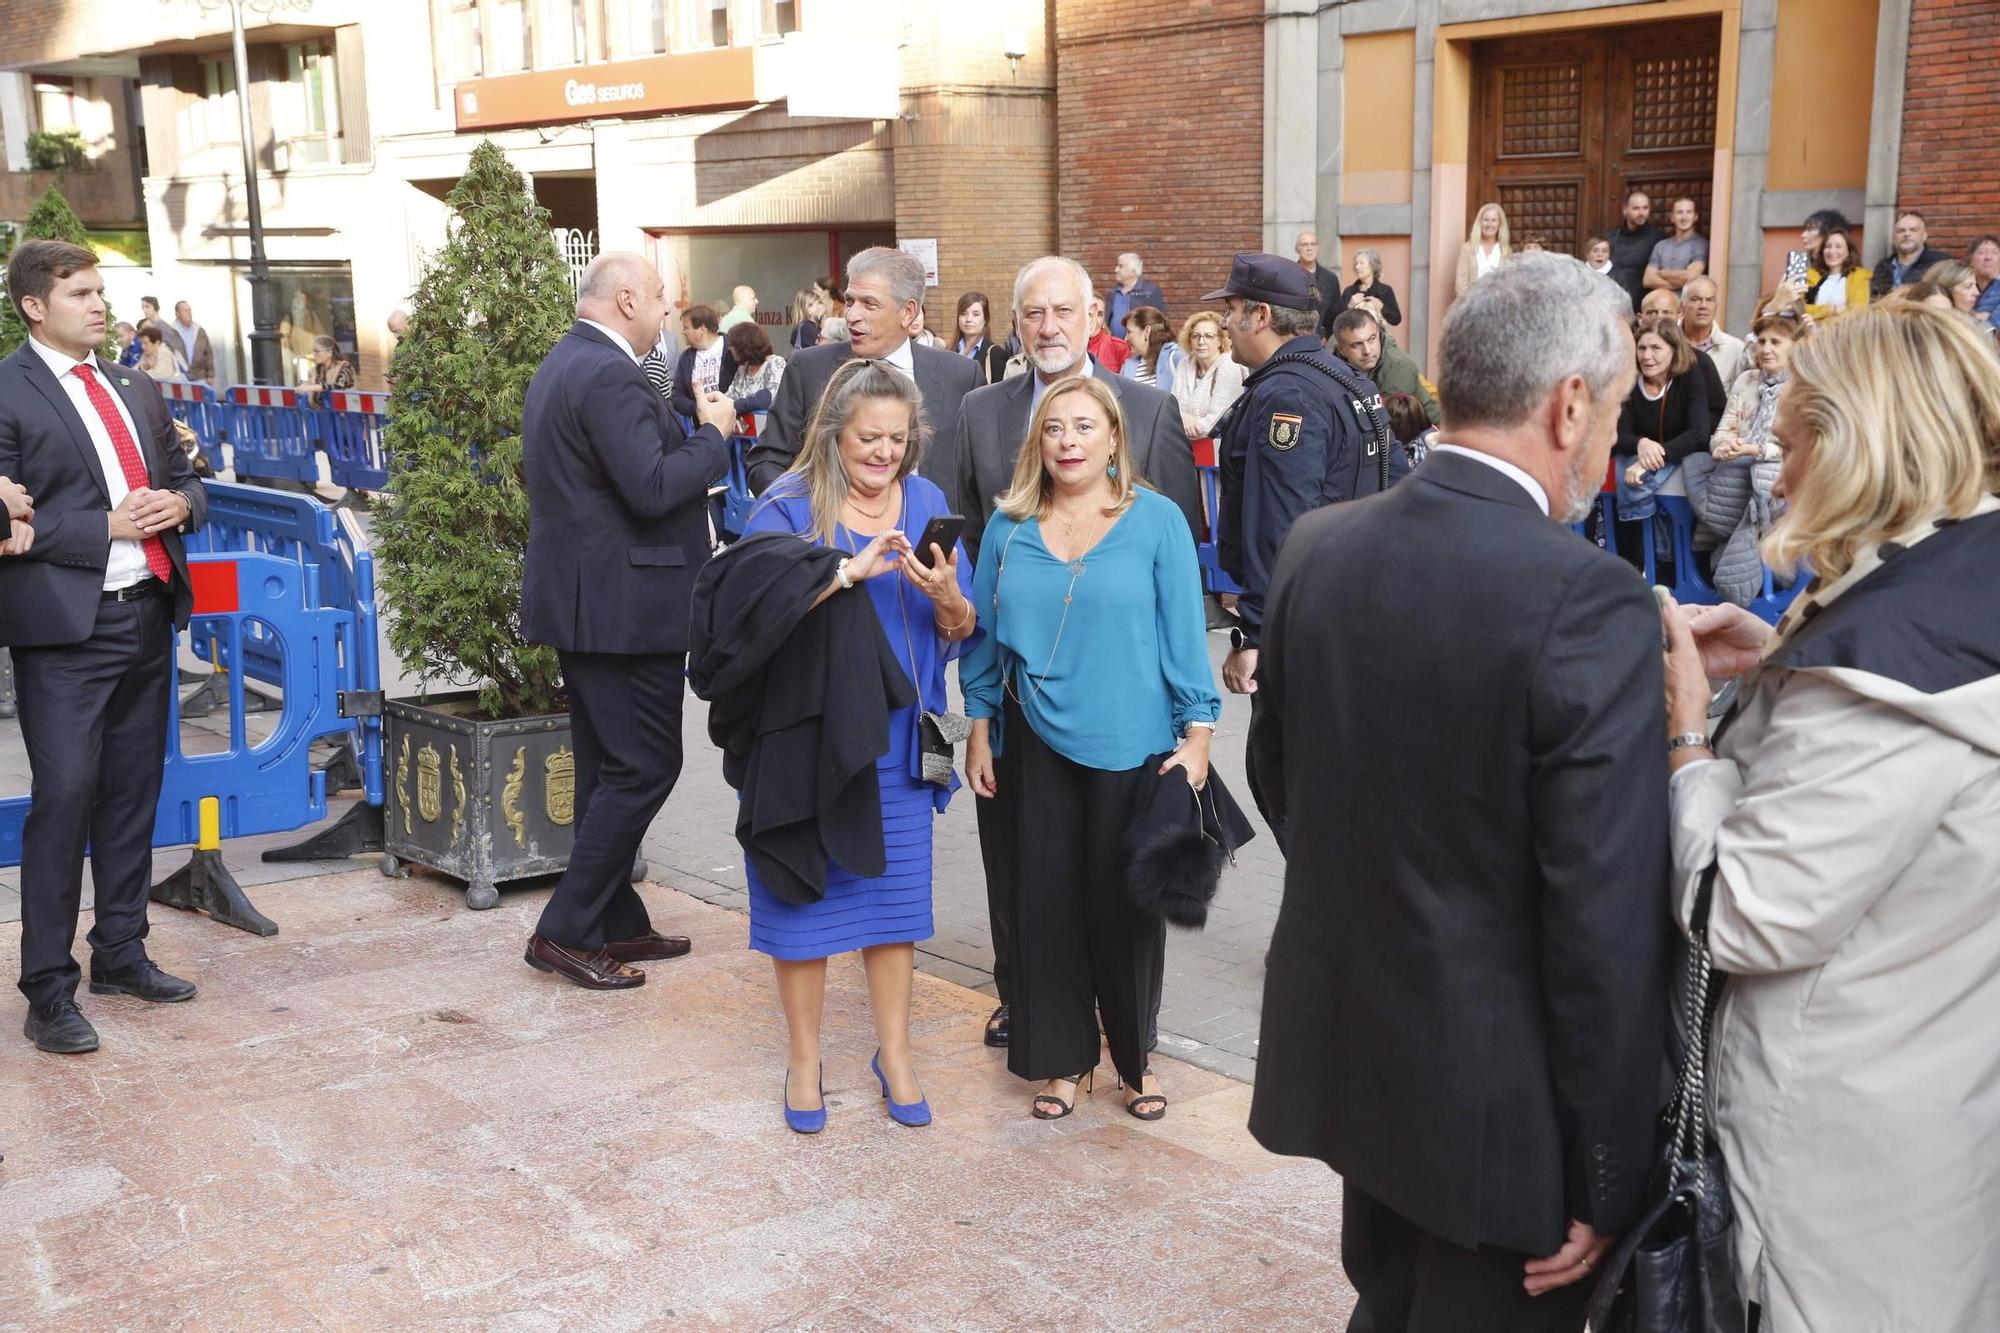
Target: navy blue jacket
617,504
1144,292
1294,441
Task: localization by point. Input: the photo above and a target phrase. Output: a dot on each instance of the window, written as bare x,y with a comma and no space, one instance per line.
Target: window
778,17
701,25
305,105
513,37
718,22
216,121
464,57
645,27
56,102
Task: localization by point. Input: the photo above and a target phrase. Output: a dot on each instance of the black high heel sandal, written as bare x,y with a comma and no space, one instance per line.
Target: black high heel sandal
1086,1080
1154,1111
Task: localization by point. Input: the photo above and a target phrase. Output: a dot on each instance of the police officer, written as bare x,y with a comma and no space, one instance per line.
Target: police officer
1307,431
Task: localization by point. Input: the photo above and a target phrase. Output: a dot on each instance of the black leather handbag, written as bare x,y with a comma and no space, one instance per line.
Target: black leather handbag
1675,1272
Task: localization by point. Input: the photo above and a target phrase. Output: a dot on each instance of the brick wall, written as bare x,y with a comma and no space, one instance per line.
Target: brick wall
1951,120
1160,139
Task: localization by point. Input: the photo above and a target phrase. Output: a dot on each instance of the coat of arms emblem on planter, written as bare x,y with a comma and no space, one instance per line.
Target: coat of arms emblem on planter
559,786
429,783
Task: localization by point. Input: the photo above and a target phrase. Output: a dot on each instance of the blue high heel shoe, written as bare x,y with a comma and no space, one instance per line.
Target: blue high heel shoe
911,1114
807,1122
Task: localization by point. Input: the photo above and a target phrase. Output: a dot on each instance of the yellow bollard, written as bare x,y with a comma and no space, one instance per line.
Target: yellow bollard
211,825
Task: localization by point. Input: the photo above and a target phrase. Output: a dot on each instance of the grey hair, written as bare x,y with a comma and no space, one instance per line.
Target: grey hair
1374,258
1034,266
833,329
607,273
818,463
1138,264
903,272
1293,323
1523,329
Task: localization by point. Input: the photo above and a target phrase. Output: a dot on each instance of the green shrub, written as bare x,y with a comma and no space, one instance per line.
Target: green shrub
451,544
57,150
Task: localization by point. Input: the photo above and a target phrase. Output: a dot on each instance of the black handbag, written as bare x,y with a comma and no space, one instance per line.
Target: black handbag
1177,843
1675,1272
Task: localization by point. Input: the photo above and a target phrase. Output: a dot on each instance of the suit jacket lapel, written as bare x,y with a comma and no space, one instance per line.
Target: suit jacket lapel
38,375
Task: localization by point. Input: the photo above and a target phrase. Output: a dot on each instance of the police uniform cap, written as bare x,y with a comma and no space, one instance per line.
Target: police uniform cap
1271,279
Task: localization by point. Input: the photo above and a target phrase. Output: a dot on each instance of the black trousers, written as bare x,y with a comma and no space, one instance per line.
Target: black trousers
1258,707
999,851
1410,1281
1081,951
94,717
625,718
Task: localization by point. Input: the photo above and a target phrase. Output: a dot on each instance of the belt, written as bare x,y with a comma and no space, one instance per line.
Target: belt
139,591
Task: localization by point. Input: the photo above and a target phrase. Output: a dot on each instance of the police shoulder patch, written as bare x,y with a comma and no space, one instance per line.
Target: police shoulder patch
1285,428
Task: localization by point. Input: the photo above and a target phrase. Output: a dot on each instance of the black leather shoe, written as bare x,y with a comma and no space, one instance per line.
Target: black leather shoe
142,979
60,1028
997,1027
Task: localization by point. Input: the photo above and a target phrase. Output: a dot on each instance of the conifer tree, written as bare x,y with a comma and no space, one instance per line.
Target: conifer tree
451,544
51,219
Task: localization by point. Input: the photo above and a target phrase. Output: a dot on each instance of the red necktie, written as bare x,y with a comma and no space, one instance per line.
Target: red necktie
129,463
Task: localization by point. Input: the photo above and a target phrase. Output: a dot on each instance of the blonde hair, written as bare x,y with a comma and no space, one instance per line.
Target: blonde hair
821,474
1186,339
1505,237
1029,493
1884,458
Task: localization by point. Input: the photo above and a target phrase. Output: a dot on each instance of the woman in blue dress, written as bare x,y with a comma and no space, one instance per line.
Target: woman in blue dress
1090,682
854,486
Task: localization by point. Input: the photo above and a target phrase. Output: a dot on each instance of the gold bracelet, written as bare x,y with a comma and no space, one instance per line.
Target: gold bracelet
964,621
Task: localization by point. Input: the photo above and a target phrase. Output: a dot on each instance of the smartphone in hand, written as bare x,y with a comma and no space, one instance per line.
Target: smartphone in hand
942,532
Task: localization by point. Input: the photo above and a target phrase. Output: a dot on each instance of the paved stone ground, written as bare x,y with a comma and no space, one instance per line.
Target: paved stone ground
1214,980
380,1118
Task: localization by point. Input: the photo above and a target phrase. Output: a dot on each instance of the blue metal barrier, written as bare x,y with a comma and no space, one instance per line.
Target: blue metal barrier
1690,588
268,786
305,532
354,427
194,405
1213,578
272,433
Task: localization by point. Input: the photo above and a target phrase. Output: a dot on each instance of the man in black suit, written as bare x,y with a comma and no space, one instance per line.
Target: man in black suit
92,587
885,294
1464,1006
617,531
1052,297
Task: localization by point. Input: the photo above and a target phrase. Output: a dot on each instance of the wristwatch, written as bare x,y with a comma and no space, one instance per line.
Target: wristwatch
1688,740
1238,642
840,573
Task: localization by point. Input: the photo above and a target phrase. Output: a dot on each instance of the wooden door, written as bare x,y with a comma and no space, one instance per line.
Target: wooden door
1565,124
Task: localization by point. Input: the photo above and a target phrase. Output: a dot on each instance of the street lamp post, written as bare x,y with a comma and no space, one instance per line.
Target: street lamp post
266,364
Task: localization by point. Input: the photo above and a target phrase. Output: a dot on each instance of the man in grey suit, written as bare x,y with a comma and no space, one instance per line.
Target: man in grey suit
885,293
1052,298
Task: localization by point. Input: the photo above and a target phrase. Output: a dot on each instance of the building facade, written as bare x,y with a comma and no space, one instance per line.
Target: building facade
1387,123
733,141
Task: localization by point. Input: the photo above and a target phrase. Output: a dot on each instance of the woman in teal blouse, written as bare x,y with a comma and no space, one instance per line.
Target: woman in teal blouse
1092,678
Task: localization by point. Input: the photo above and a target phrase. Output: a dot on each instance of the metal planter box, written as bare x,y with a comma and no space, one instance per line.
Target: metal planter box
485,802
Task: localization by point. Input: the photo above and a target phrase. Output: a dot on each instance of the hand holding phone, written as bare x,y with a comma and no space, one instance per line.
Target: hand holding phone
942,532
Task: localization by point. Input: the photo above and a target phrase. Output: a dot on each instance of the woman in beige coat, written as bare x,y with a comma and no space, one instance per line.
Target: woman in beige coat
1851,811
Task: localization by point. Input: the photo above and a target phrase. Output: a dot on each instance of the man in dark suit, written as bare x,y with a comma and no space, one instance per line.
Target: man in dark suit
617,531
1052,297
885,293
1464,1006
92,588
1326,287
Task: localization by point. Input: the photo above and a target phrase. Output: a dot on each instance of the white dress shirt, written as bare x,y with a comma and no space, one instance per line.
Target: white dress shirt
618,339
903,359
1501,465
1087,371
127,562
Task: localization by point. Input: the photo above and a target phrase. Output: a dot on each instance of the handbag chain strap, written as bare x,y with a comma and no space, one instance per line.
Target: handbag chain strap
1690,1112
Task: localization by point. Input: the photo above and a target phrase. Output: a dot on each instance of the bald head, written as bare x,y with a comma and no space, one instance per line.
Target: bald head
624,293
745,297
1659,304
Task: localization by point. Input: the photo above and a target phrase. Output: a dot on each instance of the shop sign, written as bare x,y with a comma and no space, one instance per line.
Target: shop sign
696,81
